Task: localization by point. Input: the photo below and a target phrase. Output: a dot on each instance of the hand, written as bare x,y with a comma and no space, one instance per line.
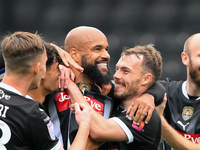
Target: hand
67,59
66,74
142,106
160,108
83,114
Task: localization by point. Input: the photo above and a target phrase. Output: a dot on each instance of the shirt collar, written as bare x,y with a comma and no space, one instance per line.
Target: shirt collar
12,89
185,92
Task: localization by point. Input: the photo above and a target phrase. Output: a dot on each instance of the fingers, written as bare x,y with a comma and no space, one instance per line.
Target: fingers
132,108
72,108
72,75
67,59
66,75
138,117
165,99
149,114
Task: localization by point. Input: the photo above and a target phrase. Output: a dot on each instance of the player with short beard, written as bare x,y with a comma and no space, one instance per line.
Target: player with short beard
181,123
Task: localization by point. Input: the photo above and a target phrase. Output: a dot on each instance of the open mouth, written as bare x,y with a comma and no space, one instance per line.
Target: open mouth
103,65
118,85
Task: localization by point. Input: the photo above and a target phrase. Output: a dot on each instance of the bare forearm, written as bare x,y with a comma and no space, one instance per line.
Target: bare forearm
101,129
174,139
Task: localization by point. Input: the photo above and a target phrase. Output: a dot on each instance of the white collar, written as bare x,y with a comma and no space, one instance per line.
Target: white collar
185,92
12,89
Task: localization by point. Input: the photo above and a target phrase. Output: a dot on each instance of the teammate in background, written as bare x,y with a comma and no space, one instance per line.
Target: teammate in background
137,70
50,84
181,121
23,122
88,46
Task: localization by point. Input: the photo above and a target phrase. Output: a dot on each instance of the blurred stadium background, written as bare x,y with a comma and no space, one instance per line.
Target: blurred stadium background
126,23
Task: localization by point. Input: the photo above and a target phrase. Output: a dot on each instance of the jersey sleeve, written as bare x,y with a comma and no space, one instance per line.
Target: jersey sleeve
41,130
145,133
157,91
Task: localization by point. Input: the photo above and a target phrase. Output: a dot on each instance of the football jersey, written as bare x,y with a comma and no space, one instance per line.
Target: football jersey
59,104
24,125
181,112
142,137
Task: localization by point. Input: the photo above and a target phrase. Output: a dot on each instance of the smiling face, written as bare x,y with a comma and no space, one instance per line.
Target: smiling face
93,51
128,76
95,59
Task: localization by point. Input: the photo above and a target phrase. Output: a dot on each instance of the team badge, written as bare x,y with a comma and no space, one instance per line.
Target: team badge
187,112
84,87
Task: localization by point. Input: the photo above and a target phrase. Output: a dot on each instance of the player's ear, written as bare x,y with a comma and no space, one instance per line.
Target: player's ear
36,68
75,54
185,58
146,79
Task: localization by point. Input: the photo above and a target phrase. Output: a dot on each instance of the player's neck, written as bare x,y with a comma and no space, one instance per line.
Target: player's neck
83,78
19,83
192,88
127,102
37,94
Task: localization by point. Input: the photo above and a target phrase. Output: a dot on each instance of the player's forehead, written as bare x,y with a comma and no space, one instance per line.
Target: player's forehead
129,61
93,41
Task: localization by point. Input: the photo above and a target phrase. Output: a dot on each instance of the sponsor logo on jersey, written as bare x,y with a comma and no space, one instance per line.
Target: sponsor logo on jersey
192,137
183,125
63,101
187,112
140,127
3,95
137,127
95,104
51,130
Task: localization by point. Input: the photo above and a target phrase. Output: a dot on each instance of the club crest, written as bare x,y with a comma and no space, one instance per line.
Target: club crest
187,112
84,87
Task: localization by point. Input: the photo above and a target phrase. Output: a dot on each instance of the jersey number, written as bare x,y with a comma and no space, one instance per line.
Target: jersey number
6,135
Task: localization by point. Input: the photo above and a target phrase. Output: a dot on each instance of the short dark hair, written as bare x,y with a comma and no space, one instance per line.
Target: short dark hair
52,55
